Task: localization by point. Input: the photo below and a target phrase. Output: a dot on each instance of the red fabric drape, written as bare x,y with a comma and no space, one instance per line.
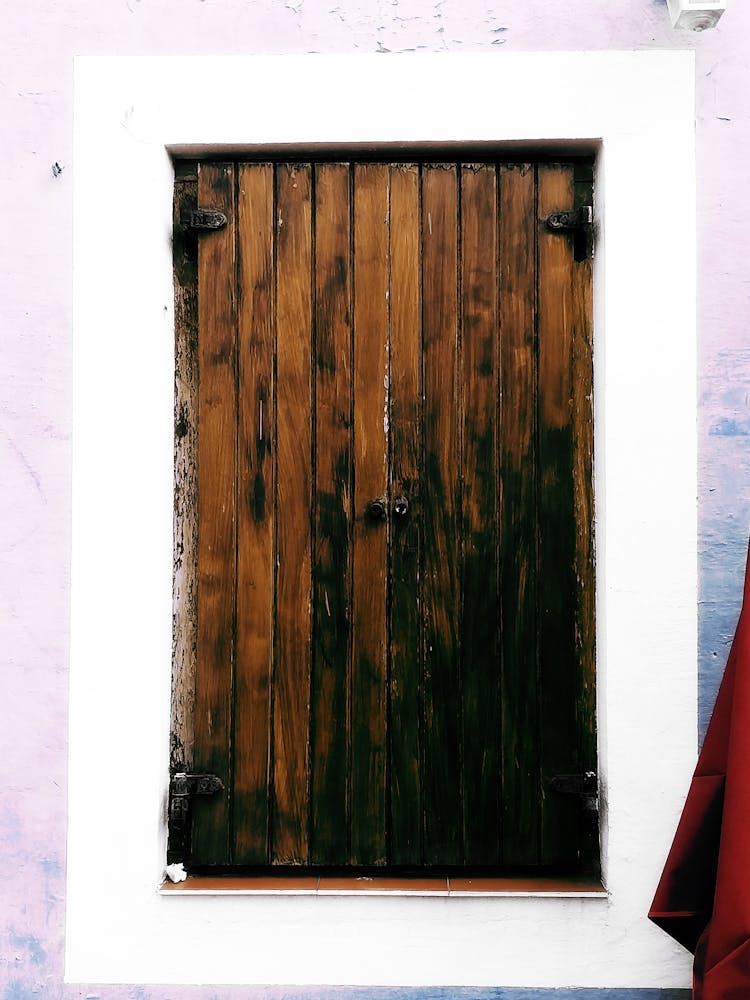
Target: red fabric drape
703,898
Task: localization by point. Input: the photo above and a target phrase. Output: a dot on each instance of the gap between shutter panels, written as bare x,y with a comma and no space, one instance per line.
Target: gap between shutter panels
301,827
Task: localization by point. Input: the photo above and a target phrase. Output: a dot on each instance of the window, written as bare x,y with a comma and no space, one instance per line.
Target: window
385,598
626,105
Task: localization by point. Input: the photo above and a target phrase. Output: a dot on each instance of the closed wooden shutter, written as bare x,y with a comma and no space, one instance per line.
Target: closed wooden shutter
393,683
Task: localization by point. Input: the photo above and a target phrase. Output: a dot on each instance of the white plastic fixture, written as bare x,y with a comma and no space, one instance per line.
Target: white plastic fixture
695,15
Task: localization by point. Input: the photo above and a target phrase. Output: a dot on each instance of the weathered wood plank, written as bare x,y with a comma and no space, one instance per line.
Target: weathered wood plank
216,513
291,713
557,533
481,742
440,578
583,492
331,568
185,537
255,514
521,778
369,680
406,463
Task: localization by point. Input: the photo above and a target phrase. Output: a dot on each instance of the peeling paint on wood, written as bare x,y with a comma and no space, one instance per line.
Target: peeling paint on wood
184,593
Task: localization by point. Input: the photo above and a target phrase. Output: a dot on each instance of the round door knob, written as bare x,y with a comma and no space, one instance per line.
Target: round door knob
376,509
401,506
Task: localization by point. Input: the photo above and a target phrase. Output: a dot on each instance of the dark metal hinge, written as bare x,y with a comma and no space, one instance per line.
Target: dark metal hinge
182,788
585,786
202,219
580,222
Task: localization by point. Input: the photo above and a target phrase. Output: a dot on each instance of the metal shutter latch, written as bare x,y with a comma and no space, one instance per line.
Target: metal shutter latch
203,219
579,222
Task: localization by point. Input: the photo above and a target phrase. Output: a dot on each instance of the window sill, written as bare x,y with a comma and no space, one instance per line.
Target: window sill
385,886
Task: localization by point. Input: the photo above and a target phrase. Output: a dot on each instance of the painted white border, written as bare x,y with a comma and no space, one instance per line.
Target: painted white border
128,112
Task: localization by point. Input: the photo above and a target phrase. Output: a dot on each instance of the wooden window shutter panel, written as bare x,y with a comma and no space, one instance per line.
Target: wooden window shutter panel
441,576
394,691
521,764
291,690
216,513
479,540
256,458
369,653
332,516
406,808
564,427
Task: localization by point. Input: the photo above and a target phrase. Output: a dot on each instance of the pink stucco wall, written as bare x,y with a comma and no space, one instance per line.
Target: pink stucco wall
38,39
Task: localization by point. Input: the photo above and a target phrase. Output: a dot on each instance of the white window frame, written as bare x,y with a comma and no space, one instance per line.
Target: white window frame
636,109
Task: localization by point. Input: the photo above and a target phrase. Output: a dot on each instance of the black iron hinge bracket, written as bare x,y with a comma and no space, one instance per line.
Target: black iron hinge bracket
579,222
202,220
584,786
183,788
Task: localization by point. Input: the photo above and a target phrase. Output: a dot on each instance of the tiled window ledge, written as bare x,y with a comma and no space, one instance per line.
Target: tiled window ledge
385,886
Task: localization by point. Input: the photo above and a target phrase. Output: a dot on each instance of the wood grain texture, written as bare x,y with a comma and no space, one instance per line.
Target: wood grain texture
369,601
397,691
185,536
521,777
291,712
406,465
479,638
332,513
440,577
583,499
556,580
255,514
216,514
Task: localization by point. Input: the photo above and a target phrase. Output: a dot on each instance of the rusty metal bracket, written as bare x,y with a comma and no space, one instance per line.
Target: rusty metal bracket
182,788
202,219
584,786
579,222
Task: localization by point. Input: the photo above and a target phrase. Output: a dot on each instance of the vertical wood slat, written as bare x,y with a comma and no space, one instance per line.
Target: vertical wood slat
556,580
216,514
255,513
291,711
440,578
521,778
480,737
583,473
331,625
583,444
369,647
406,463
185,548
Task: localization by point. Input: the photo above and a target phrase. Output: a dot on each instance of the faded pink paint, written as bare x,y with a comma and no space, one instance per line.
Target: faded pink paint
38,42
